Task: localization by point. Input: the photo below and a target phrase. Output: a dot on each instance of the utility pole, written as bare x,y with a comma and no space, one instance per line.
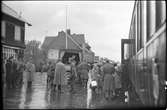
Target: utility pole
66,30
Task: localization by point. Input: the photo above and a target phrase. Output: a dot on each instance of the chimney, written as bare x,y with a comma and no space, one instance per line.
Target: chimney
68,31
61,33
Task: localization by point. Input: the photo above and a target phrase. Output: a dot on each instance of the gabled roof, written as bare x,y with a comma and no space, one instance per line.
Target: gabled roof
48,41
9,11
59,42
79,38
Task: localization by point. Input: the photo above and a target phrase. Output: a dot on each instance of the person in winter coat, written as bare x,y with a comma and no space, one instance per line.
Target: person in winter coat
117,81
19,73
108,88
50,74
155,76
73,75
59,78
83,69
30,70
97,76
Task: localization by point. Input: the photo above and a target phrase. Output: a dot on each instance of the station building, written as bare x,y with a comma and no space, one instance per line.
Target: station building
12,33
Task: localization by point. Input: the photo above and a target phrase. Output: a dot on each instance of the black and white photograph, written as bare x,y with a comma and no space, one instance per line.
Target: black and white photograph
83,54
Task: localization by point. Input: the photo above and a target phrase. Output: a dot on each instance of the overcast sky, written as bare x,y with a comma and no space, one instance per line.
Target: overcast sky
104,23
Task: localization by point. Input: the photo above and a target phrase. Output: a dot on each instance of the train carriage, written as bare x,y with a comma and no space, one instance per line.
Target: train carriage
147,43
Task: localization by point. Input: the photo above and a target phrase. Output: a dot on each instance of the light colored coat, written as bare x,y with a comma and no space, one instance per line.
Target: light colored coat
108,71
89,90
59,76
30,70
117,80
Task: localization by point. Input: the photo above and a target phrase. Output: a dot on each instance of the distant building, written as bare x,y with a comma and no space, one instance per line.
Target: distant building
96,59
52,45
12,33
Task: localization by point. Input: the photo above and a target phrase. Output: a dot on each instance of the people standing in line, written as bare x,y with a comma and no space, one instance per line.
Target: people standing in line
108,88
59,75
9,71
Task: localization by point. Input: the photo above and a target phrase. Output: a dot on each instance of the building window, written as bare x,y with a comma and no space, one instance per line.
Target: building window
22,34
9,31
8,52
17,33
3,28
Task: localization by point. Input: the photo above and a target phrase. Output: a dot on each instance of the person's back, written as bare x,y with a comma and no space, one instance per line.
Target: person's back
60,66
108,68
59,75
30,68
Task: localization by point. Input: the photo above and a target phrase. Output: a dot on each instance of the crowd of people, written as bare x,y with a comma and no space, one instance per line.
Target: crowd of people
106,75
14,70
104,78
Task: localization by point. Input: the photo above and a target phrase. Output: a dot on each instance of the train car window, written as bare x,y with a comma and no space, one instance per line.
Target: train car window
134,35
126,51
139,27
141,24
160,13
163,9
150,19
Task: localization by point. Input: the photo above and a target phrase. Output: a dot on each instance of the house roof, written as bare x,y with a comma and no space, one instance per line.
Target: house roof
9,11
48,41
59,42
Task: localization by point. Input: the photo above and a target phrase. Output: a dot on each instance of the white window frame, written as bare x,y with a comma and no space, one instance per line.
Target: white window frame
3,28
17,33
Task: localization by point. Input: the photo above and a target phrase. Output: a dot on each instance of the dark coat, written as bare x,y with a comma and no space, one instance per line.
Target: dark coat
9,70
83,69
